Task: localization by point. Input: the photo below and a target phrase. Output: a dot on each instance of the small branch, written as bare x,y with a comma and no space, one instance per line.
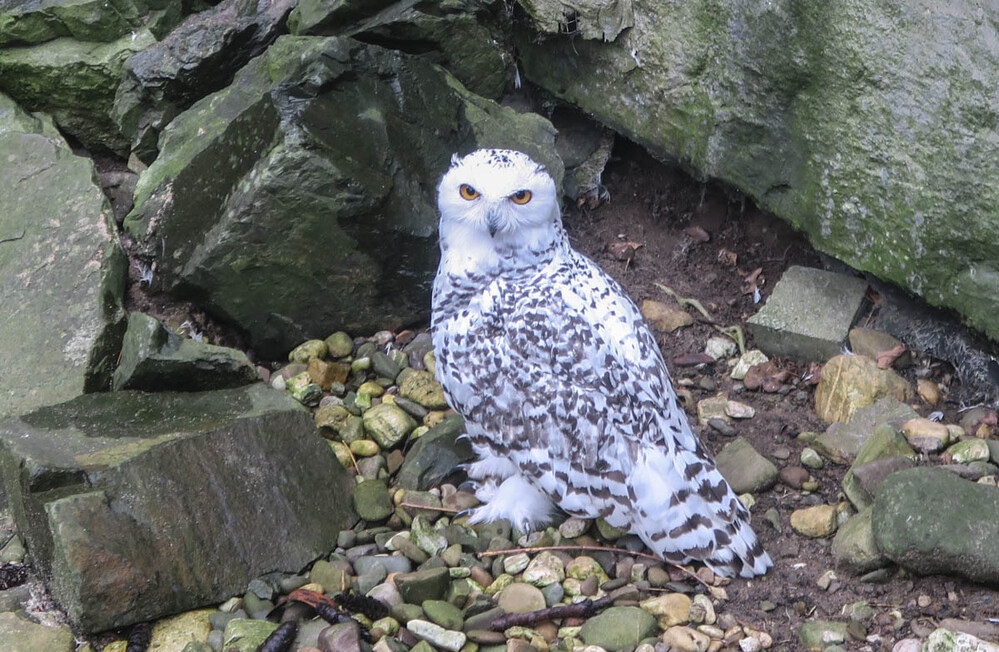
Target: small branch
431,508
735,332
583,609
507,551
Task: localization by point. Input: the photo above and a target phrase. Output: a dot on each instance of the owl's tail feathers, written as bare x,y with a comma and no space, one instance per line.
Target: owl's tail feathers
685,511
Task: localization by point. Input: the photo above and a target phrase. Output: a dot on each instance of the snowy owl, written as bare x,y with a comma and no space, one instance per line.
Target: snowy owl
566,397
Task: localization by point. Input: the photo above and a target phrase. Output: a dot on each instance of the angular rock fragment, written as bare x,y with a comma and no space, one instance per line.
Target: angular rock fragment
198,57
744,468
842,441
851,382
155,359
884,453
434,455
808,315
74,82
854,546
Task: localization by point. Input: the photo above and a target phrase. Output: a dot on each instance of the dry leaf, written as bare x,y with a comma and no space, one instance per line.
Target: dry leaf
624,250
766,376
749,284
728,258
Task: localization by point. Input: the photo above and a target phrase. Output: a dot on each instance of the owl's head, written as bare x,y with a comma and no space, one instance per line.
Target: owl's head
498,197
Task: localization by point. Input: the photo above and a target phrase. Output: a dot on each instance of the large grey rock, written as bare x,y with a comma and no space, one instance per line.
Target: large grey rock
62,271
470,38
869,126
301,199
932,521
155,359
808,315
137,505
200,56
74,81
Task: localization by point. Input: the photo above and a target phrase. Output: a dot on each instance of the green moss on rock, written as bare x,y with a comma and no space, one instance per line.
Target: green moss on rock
871,128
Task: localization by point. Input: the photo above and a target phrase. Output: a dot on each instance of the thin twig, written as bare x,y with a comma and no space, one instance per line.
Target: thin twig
583,609
684,301
493,553
735,332
432,508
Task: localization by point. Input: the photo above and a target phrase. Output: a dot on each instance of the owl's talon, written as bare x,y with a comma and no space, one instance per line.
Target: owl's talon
470,486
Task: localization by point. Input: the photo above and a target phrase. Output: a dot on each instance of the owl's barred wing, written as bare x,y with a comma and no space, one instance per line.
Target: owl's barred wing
583,406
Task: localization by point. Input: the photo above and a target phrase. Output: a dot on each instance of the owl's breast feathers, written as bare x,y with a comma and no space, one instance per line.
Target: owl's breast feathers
557,353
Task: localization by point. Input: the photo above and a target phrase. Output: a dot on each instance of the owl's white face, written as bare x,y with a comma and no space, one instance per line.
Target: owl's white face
496,199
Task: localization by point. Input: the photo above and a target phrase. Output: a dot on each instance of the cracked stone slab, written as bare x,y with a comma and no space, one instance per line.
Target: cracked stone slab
809,314
135,506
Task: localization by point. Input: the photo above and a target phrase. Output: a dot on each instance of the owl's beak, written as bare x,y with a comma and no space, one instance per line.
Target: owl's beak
492,222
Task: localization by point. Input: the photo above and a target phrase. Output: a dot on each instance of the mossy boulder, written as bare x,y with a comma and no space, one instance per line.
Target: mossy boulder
73,81
871,127
290,223
154,358
101,21
198,57
469,38
62,270
932,521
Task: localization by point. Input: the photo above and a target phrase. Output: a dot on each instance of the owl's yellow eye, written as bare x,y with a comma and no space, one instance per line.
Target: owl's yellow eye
521,197
468,192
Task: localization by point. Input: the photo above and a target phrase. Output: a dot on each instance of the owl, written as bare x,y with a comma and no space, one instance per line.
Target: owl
566,397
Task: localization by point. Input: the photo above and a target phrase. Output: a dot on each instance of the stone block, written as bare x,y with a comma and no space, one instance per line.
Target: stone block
809,314
62,270
135,506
